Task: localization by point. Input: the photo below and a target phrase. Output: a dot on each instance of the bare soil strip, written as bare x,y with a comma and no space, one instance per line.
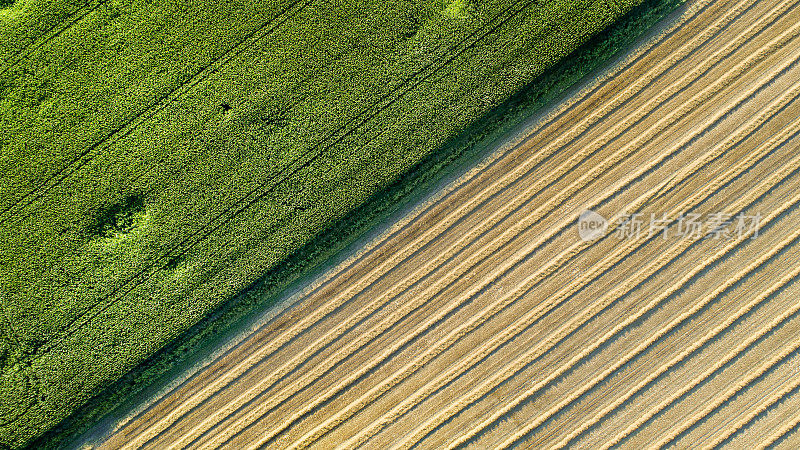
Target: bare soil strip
481,319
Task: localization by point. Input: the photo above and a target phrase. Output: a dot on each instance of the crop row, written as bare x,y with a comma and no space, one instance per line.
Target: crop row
225,154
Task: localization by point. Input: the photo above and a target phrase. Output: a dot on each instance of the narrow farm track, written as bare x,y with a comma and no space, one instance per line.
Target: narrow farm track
176,251
399,233
534,317
481,319
274,344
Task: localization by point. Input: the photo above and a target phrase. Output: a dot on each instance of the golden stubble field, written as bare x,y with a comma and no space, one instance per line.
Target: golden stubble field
481,319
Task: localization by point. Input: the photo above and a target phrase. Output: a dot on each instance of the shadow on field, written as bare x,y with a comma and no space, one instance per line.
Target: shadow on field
120,217
459,152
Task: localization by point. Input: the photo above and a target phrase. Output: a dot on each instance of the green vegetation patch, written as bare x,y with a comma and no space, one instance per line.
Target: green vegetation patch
458,9
159,157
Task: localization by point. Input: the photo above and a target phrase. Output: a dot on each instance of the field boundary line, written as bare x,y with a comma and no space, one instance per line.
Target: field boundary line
491,29
396,290
501,306
52,345
519,138
660,187
171,256
494,157
488,162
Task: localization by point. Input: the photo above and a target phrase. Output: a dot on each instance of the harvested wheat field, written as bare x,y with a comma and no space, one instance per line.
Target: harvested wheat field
482,318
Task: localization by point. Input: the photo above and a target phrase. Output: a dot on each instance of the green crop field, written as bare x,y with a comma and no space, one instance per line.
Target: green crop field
158,157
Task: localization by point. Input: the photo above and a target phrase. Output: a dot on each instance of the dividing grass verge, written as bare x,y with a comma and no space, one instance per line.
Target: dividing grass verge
200,169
